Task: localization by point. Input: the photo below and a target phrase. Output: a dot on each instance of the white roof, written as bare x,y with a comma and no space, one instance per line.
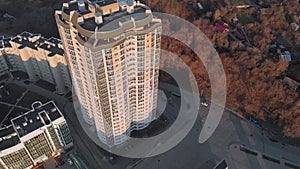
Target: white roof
287,56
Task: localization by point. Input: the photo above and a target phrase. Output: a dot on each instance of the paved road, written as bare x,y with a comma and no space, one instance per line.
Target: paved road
231,133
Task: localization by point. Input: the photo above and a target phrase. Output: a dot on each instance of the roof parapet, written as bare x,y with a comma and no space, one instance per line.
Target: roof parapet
35,105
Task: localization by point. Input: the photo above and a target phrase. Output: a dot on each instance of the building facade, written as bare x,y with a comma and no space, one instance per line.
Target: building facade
33,137
39,57
113,52
3,63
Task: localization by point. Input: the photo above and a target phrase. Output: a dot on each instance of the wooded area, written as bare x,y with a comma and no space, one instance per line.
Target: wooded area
253,74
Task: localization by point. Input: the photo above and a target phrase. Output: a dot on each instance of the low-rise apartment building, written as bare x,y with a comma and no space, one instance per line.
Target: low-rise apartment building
33,137
39,57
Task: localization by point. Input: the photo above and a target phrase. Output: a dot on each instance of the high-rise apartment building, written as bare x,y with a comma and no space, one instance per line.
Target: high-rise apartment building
33,137
113,52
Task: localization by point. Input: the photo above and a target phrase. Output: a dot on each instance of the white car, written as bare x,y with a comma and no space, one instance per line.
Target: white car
204,104
70,161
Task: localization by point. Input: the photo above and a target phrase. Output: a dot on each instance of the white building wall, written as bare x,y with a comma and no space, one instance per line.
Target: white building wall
116,86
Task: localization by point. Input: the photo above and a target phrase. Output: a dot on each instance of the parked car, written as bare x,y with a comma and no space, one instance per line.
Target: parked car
204,104
203,101
70,161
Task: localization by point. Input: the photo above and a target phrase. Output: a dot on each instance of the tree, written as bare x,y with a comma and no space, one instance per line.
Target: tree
251,74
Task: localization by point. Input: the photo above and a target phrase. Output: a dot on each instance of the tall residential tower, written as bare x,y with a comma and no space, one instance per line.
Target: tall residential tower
113,52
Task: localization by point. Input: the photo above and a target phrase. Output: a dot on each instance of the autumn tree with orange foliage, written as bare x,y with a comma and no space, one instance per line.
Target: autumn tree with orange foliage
252,74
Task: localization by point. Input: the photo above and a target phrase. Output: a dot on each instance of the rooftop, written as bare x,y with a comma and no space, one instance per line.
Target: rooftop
26,39
53,45
26,34
105,15
111,22
8,137
6,131
290,82
39,116
287,56
1,44
73,6
35,41
6,42
36,118
104,2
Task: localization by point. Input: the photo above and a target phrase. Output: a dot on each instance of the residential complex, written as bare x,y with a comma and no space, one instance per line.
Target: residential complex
39,57
113,52
33,137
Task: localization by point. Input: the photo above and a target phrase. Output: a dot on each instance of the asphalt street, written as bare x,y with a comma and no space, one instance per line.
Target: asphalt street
231,133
